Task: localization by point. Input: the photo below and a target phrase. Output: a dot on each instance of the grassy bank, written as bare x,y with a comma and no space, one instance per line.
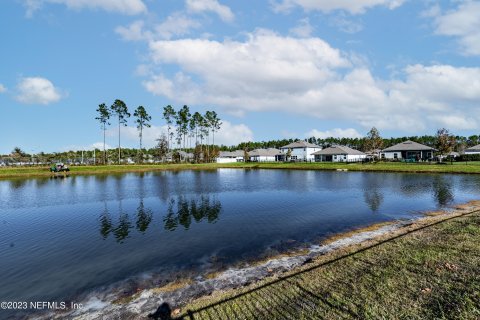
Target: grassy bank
431,273
460,167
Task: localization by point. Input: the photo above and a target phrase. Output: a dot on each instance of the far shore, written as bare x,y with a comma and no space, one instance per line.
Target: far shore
43,171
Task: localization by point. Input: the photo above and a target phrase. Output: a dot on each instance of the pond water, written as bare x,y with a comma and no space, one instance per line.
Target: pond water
60,238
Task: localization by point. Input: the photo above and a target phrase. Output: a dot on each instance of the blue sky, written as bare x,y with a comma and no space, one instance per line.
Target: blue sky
270,69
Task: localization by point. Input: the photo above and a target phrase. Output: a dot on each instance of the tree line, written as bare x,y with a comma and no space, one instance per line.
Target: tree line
443,141
183,128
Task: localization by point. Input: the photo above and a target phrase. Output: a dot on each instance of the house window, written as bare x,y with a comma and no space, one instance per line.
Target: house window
294,157
344,157
383,155
335,157
395,156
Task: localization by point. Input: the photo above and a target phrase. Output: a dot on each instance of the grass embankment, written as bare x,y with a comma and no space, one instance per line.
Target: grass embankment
431,273
456,167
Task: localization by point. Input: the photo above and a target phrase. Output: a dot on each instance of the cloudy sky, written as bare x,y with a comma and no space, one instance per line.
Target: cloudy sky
271,69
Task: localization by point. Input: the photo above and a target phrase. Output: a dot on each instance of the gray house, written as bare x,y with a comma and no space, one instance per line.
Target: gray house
263,155
408,150
339,154
473,150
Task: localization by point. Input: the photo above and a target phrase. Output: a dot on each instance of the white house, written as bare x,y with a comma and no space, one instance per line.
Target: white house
263,155
230,156
408,150
473,150
339,154
300,151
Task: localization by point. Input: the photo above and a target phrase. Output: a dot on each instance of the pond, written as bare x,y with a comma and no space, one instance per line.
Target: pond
60,238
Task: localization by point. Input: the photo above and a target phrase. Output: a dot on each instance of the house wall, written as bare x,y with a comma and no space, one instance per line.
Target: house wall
391,155
341,158
263,158
302,153
472,152
229,160
401,155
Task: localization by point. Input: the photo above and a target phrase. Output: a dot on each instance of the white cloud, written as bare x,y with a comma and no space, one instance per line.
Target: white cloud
2,88
303,30
129,7
345,24
462,23
37,90
198,6
232,134
351,6
335,133
176,24
308,77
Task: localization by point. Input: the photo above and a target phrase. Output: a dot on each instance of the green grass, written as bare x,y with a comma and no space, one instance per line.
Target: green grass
459,167
427,274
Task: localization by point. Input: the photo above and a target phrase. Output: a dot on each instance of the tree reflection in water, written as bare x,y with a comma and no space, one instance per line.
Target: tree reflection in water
373,198
180,212
144,217
442,189
201,208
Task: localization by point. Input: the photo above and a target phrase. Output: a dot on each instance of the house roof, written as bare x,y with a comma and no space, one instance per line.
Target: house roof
300,144
474,148
231,154
270,152
408,146
338,150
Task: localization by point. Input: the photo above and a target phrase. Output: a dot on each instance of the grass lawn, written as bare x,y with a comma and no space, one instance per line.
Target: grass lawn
428,274
456,167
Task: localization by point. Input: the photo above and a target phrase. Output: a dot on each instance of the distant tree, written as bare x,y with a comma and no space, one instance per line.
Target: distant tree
246,155
289,154
162,147
143,119
195,123
119,108
103,117
169,115
18,155
373,141
183,119
444,141
215,124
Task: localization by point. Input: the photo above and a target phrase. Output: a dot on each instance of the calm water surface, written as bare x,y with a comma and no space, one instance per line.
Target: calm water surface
62,237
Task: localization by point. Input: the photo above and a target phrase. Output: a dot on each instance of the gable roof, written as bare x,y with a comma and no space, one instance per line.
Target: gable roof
270,152
231,154
338,150
408,146
474,148
300,144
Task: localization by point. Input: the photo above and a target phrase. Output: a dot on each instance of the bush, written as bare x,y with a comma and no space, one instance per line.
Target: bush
469,157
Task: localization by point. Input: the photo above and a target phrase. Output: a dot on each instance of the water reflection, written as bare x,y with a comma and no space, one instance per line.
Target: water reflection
442,189
373,198
205,207
181,211
144,217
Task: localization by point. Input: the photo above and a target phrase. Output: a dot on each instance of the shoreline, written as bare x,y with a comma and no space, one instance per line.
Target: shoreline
394,167
184,293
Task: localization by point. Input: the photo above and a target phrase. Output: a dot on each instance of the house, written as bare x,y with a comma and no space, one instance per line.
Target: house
408,150
339,154
230,156
263,155
473,150
300,151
